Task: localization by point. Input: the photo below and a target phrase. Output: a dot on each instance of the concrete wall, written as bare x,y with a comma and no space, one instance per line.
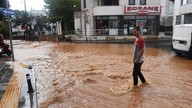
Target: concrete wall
186,9
108,10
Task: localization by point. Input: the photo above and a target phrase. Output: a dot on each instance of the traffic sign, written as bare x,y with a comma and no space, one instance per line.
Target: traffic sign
7,11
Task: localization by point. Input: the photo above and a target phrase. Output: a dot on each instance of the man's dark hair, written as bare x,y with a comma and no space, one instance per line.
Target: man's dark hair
137,28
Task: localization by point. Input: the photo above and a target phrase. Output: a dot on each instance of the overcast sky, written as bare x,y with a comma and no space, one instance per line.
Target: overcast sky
34,4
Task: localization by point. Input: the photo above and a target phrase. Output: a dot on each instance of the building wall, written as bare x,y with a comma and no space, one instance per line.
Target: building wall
185,9
181,10
77,18
108,10
95,9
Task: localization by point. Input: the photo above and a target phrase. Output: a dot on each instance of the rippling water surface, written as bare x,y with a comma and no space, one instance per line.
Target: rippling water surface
100,76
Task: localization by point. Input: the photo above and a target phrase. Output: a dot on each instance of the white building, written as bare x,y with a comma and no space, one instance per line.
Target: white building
182,12
118,17
167,13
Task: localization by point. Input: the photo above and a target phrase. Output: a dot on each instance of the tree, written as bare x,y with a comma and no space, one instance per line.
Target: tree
4,28
3,4
21,17
3,23
63,10
40,21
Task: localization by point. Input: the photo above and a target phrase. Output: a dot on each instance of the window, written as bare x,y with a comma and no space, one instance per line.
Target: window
113,22
188,18
151,17
189,1
84,3
129,17
178,19
181,2
142,2
131,2
141,17
110,2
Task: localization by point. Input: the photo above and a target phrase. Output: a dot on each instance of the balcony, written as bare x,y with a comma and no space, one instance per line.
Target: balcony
108,10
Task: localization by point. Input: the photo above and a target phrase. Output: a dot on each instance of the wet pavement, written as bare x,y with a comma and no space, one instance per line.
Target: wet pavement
6,71
73,75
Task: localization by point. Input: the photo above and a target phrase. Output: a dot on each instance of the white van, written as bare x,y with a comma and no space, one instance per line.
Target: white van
182,39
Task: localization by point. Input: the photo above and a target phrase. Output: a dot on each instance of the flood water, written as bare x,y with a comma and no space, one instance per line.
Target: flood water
100,76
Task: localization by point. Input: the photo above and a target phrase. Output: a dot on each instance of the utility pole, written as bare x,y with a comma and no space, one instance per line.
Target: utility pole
25,20
25,6
10,31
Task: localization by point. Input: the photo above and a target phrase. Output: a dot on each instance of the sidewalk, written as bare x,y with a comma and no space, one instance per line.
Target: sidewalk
120,39
14,87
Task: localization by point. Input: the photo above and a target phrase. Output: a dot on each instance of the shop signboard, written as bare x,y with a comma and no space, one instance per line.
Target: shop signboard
140,9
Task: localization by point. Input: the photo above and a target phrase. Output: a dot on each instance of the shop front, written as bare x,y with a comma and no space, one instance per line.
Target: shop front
149,24
146,17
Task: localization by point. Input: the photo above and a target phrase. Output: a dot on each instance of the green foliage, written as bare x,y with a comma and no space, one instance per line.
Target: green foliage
63,10
4,29
3,4
21,17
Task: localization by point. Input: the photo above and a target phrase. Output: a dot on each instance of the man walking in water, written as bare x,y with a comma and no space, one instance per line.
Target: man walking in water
138,59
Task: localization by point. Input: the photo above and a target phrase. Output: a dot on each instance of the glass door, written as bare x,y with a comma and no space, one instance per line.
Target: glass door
143,26
151,27
131,25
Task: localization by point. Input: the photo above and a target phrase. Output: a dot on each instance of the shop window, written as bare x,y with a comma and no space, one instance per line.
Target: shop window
113,25
142,2
188,18
178,19
141,17
129,17
151,17
113,22
102,25
131,2
151,27
189,1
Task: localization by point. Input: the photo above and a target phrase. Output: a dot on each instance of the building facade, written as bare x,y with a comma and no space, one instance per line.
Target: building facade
118,17
166,20
182,12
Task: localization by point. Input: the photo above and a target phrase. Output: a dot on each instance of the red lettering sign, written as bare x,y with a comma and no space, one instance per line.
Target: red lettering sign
129,8
141,9
145,8
156,8
134,8
150,8
142,12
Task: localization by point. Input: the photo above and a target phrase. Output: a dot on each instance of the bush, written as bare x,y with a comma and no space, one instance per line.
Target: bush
4,28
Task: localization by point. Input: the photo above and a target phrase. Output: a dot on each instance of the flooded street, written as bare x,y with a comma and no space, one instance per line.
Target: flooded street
100,75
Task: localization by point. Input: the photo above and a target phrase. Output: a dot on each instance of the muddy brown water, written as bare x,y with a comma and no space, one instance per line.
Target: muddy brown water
100,76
